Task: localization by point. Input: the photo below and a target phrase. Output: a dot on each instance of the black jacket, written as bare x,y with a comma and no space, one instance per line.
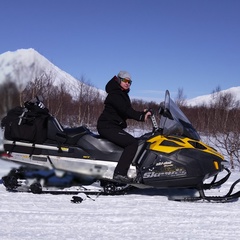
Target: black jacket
118,107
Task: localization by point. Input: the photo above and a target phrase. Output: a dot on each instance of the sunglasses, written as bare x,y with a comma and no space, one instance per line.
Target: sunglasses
126,81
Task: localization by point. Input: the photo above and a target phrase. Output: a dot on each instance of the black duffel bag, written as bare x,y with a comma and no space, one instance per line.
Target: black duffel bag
28,123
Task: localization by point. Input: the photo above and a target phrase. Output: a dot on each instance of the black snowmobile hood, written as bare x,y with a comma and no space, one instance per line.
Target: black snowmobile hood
113,85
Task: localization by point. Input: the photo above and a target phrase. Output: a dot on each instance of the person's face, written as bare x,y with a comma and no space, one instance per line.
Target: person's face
125,83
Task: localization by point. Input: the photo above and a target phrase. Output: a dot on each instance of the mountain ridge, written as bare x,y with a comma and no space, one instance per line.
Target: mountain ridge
25,65
206,99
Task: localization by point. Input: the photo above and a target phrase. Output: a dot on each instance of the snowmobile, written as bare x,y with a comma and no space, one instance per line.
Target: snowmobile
171,156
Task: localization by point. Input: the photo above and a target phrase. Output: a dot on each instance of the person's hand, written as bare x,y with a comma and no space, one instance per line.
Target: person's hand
147,114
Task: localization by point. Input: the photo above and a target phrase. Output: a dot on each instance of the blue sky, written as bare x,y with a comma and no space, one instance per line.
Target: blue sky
164,44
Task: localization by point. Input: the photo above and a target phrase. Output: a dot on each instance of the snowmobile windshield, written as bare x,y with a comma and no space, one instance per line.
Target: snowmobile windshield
174,122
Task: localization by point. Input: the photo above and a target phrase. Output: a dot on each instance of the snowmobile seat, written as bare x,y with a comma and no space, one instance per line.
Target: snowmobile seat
62,135
75,133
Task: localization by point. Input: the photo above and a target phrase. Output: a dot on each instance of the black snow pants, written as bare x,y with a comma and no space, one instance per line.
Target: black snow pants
124,140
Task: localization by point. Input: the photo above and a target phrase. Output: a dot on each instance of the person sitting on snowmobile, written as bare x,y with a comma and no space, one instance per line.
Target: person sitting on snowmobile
112,121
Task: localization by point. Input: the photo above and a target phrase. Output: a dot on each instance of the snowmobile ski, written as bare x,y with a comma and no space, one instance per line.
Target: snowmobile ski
229,197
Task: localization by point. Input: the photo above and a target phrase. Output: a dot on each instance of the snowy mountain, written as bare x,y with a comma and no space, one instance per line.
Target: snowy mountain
26,65
205,99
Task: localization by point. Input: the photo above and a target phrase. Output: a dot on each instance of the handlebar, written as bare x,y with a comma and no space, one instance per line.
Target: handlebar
153,119
154,122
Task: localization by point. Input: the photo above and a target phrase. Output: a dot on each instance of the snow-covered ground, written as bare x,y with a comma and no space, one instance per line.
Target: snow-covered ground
140,215
133,216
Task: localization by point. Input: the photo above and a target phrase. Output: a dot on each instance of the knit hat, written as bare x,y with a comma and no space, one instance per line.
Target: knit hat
124,74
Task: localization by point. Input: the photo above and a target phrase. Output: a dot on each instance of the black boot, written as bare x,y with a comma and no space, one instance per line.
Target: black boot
122,178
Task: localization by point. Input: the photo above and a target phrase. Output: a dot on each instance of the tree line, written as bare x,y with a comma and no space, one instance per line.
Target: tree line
219,120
